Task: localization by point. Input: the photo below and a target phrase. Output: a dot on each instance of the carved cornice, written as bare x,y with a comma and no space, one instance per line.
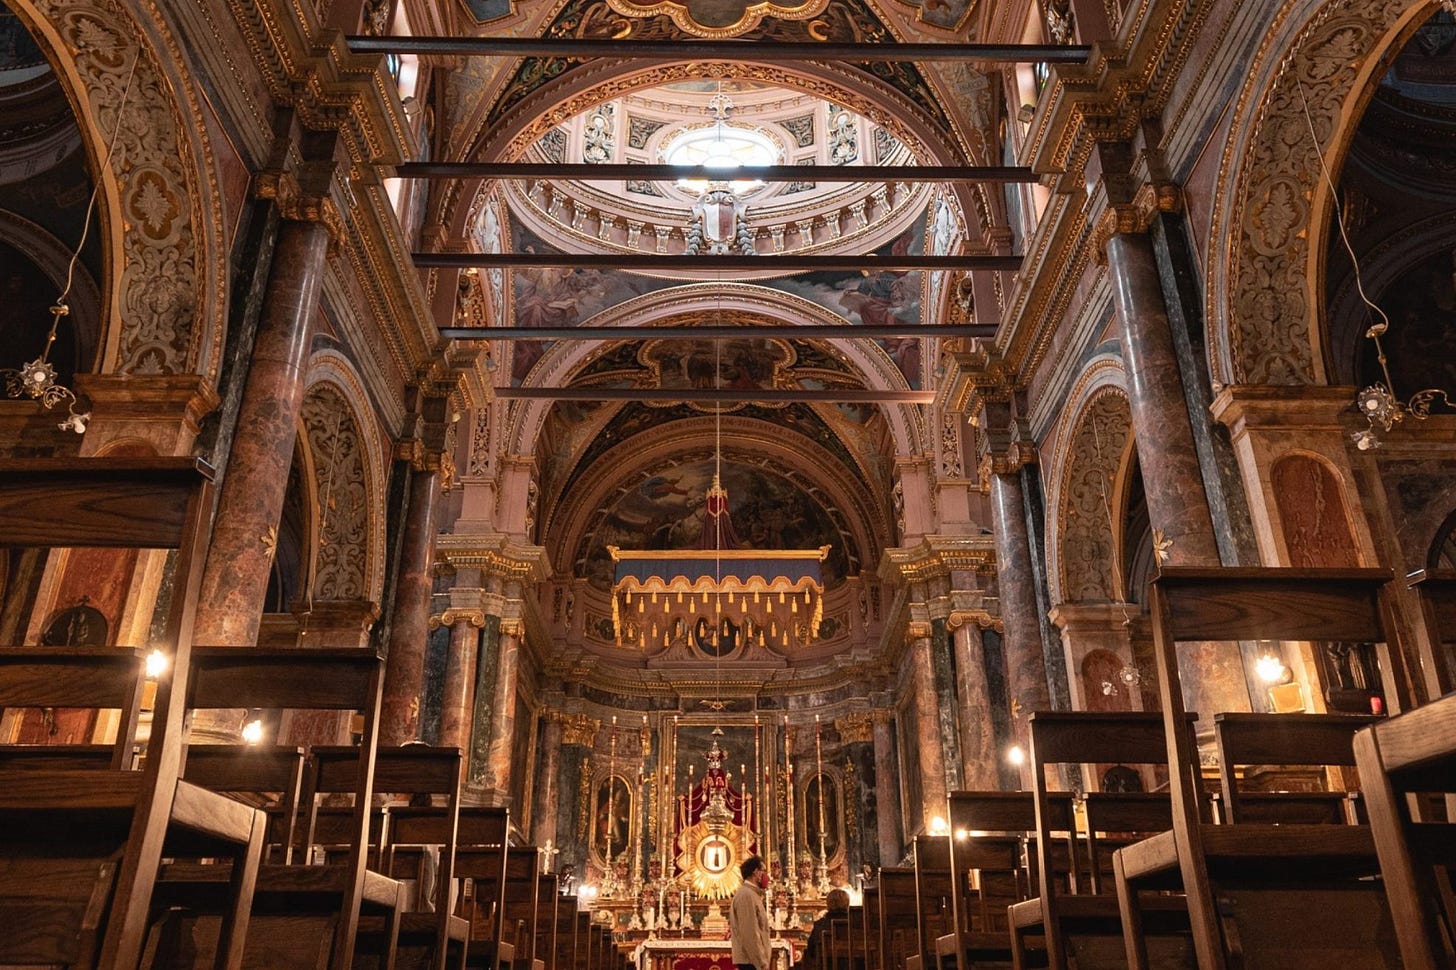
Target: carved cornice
938,556
497,555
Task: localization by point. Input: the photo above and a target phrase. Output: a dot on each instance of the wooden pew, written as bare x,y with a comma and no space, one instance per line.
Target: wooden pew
1291,893
870,927
80,847
1437,591
899,930
934,907
988,874
521,908
308,915
1086,922
1285,739
419,843
1403,762
480,865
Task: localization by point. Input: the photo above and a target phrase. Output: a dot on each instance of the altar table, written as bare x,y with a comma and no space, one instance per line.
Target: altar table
659,954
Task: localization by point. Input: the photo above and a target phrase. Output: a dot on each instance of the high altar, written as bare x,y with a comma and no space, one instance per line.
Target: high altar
665,851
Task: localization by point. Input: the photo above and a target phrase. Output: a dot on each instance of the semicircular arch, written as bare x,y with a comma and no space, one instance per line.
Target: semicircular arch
161,211
1092,448
1300,106
565,358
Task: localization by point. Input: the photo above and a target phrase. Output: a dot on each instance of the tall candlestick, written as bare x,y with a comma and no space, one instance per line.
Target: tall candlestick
793,874
819,767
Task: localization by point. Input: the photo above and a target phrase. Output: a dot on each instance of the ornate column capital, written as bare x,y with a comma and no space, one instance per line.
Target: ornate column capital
475,616
1149,201
980,619
296,203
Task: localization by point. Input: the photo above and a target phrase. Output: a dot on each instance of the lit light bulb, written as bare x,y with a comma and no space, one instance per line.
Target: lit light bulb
156,664
253,731
1015,755
938,826
1271,669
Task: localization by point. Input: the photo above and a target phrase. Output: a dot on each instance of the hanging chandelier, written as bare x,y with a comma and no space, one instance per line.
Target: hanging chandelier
1378,403
717,599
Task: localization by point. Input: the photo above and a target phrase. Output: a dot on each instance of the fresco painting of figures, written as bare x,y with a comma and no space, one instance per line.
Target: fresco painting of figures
665,511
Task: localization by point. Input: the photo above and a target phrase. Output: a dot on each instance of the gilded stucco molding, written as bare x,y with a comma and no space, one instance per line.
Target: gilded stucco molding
294,203
1150,201
855,728
498,556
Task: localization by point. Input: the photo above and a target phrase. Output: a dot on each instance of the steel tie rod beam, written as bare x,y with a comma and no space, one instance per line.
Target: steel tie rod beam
523,171
847,395
708,50
776,264
815,331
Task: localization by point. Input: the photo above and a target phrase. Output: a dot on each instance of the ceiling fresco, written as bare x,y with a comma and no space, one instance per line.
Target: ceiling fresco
565,296
842,21
663,509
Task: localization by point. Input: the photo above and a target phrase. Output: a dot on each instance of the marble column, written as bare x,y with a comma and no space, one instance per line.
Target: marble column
887,791
928,744
459,689
404,665
979,765
503,714
1172,479
1026,679
250,501
548,782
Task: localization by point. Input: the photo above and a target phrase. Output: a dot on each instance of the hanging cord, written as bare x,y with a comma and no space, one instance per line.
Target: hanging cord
61,309
1376,329
718,483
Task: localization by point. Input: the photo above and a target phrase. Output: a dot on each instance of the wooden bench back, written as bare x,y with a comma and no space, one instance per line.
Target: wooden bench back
1284,739
870,927
271,775
1404,762
1116,819
1201,605
161,503
899,936
934,889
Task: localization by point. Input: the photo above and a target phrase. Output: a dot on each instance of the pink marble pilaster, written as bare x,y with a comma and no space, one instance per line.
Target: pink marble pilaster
409,631
503,711
459,698
928,741
235,580
887,792
973,707
1026,678
547,783
1172,479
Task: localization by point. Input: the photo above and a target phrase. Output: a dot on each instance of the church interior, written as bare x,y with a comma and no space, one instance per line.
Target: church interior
474,472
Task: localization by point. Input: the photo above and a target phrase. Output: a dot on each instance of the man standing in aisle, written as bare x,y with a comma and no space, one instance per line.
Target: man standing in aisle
748,918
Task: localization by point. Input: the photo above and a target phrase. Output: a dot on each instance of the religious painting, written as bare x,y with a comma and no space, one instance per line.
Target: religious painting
875,299
733,363
822,814
81,625
945,14
719,18
611,817
487,10
666,510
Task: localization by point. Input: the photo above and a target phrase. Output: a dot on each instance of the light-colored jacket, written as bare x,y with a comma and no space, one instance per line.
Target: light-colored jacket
748,927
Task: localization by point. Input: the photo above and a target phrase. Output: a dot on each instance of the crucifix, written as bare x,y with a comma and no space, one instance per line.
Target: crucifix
547,852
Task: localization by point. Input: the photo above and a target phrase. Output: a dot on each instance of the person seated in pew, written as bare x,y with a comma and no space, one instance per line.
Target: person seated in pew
838,903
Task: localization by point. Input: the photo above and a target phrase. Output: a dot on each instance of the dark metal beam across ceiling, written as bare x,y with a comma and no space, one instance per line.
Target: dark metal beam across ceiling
701,50
848,395
775,263
519,171
816,331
